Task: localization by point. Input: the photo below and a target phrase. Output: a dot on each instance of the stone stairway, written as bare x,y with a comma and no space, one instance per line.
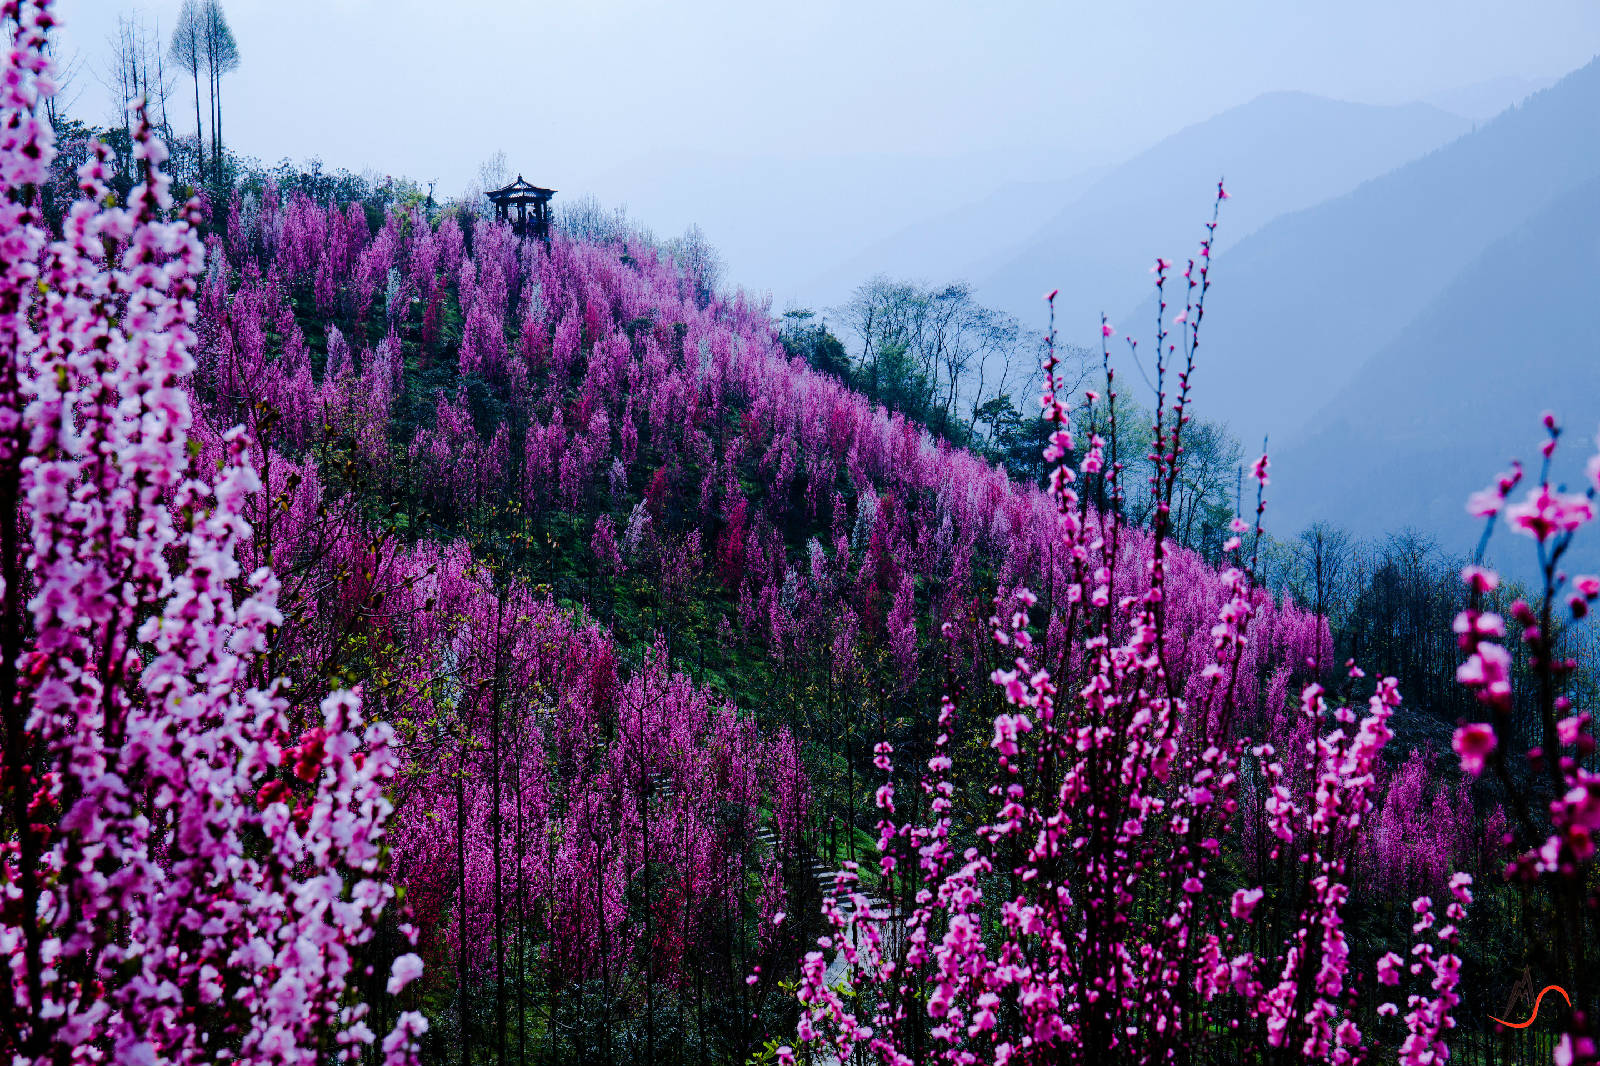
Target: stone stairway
892,924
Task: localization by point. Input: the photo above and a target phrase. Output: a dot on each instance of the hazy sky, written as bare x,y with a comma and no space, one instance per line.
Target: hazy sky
833,122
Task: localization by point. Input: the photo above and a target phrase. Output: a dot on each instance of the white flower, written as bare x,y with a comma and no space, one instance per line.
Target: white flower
407,968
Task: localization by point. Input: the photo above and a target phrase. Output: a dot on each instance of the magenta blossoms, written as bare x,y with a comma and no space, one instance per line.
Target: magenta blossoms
1474,743
171,893
1091,919
1552,825
1546,513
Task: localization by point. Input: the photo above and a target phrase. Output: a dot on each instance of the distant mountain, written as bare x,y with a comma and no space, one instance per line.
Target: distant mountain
1279,153
783,222
1442,407
1302,306
965,242
1486,99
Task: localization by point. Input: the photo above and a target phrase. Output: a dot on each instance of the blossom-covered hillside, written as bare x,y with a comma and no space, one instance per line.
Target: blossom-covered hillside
426,644
513,435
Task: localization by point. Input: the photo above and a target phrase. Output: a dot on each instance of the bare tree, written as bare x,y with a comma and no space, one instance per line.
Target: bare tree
1202,500
134,72
585,218
1324,555
962,339
127,72
188,51
1399,618
934,352
67,71
163,85
700,262
493,173
886,316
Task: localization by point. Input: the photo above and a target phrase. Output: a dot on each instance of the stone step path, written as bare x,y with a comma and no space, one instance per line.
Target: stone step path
826,878
891,923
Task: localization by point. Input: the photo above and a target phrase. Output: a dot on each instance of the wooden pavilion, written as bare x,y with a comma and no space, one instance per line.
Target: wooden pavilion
532,204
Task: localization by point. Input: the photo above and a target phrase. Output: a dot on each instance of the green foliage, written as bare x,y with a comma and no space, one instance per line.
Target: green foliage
375,193
812,341
935,355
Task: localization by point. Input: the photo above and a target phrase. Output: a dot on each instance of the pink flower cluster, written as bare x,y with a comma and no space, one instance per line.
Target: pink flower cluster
1429,1019
1556,845
1088,924
162,902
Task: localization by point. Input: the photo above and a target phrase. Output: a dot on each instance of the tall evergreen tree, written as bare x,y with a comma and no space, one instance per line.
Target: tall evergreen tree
188,50
222,57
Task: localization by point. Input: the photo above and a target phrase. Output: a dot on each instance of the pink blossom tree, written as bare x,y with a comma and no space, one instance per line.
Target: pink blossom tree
1091,918
186,880
1552,795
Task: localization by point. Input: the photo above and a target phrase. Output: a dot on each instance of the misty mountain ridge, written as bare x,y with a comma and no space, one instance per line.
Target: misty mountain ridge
1357,238
1303,303
1317,307
964,242
1279,153
1484,100
1445,404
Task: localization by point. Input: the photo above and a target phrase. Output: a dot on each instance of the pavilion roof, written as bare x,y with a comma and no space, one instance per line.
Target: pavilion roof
520,190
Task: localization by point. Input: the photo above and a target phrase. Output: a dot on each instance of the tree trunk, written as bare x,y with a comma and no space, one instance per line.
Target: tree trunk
648,791
495,824
211,105
199,130
461,908
521,903
216,123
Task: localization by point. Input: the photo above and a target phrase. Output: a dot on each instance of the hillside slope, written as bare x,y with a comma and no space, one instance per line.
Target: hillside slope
583,413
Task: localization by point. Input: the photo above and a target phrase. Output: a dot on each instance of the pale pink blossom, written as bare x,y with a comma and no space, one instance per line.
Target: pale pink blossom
1244,902
1389,968
406,968
1489,670
1485,503
1474,743
1545,513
